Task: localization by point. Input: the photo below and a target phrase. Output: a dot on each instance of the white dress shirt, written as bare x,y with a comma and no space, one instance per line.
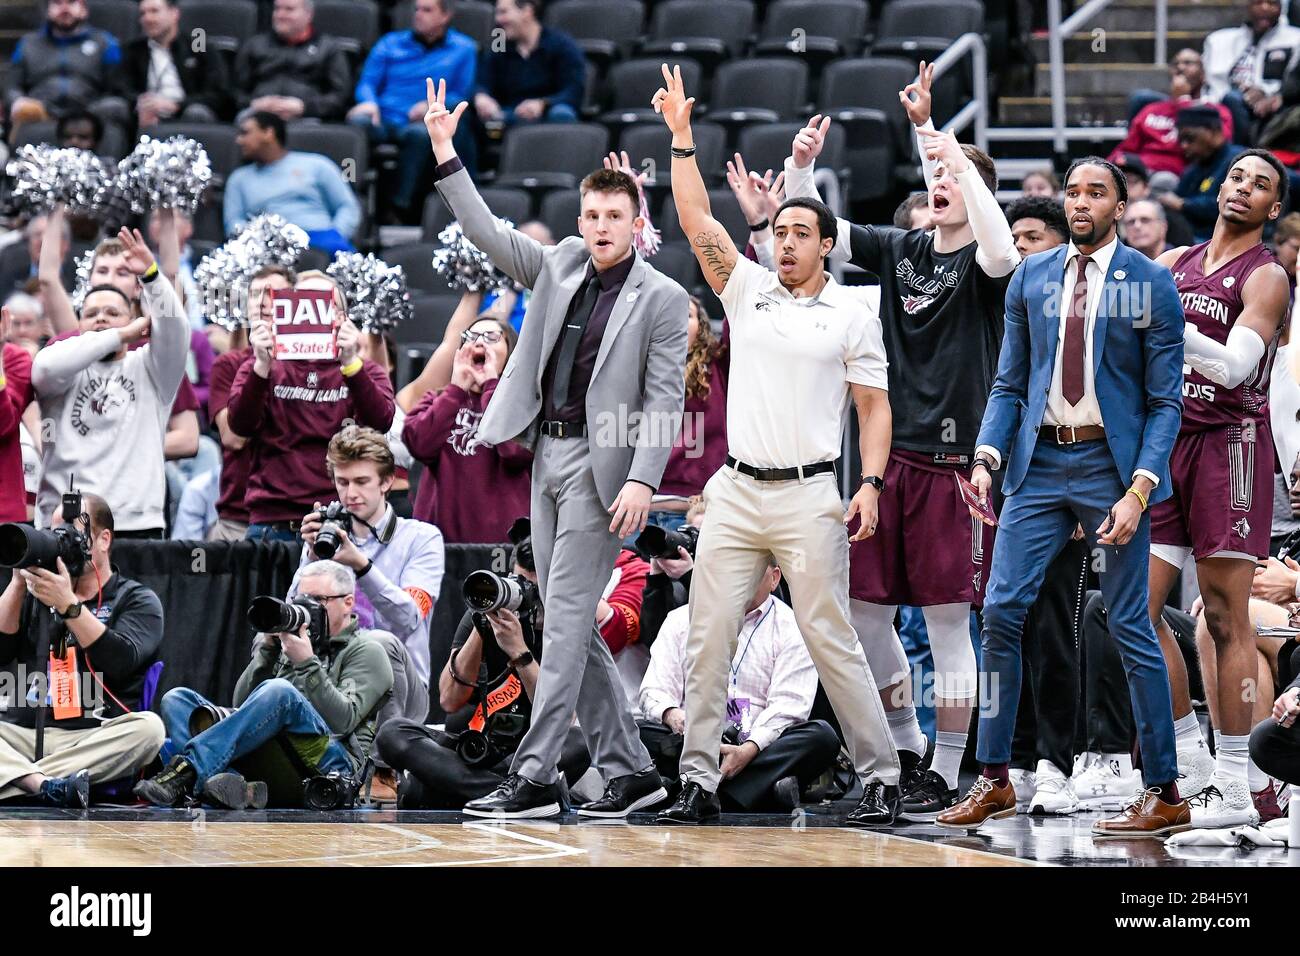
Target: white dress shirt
772,681
163,78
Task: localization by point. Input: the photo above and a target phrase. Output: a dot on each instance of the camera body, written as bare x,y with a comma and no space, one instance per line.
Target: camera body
330,791
334,518
487,591
22,546
662,543
270,615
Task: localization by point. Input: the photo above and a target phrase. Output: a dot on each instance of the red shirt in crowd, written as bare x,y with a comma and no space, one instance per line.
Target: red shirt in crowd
1153,137
234,464
291,416
624,628
473,492
14,399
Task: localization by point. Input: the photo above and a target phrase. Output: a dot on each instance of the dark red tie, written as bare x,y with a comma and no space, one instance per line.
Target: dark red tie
1075,325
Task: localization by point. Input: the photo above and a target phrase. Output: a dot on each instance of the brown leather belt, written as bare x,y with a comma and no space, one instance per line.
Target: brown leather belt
1070,435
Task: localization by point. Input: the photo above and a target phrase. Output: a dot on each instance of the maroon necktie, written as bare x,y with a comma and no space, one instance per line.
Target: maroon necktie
1075,324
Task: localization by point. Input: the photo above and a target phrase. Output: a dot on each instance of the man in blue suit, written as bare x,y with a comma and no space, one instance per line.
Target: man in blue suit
1083,414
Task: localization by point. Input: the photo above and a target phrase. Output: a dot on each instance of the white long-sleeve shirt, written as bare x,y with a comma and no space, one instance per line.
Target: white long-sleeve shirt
772,681
1260,62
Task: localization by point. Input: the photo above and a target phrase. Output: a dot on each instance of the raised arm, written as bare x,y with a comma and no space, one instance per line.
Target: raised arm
437,371
49,273
169,326
1266,297
510,250
713,247
996,251
799,166
916,101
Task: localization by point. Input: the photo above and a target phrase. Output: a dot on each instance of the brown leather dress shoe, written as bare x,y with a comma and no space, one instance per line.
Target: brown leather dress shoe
383,786
985,801
1146,816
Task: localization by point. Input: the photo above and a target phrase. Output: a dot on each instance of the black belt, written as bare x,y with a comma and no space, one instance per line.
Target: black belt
781,474
294,526
564,429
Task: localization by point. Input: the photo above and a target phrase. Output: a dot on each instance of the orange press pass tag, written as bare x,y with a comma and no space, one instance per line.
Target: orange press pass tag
63,685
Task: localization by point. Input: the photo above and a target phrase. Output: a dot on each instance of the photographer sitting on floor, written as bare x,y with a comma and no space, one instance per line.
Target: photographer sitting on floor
315,689
770,749
90,610
487,690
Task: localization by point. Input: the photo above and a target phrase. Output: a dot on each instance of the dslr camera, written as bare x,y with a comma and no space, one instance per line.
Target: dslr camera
330,791
487,591
22,546
661,543
335,518
270,615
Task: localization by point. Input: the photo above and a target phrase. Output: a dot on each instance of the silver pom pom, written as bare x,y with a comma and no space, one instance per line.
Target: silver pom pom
45,175
465,266
172,173
83,279
224,274
376,292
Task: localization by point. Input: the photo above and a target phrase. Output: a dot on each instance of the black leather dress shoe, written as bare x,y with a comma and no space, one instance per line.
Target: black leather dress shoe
694,805
627,794
518,798
879,806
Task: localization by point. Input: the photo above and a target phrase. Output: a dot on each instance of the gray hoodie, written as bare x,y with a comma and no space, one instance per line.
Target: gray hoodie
109,416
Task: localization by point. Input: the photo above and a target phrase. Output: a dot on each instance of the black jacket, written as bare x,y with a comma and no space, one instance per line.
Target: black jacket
203,75
316,72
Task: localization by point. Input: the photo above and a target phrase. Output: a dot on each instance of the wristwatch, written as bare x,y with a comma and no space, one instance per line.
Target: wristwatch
523,660
73,610
874,481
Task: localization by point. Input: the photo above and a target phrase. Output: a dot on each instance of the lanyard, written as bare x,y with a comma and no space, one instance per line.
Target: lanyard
735,670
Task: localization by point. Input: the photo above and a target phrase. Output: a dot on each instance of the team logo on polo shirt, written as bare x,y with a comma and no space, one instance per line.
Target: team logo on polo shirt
913,304
311,380
761,305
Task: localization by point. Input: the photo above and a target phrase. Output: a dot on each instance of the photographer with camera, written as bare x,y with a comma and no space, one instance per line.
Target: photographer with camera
770,750
316,677
670,549
487,689
398,563
84,638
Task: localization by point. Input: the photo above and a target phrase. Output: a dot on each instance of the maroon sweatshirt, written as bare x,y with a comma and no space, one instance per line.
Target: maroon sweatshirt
471,491
234,464
701,447
291,417
16,395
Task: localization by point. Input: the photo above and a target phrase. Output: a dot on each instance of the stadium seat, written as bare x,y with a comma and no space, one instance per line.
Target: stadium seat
217,138
475,18
550,156
922,29
560,210
416,259
631,83
862,96
724,208
676,260
816,30
708,30
759,90
119,17
354,23
651,141
605,29
767,145
505,202
226,24
431,313
349,147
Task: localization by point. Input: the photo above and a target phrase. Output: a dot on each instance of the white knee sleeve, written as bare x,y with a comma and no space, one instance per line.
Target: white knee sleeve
874,624
948,627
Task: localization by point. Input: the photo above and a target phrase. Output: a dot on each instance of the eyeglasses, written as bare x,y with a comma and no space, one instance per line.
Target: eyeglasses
324,598
491,337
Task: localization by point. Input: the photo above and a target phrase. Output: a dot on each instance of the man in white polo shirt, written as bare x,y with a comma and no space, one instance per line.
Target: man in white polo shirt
801,344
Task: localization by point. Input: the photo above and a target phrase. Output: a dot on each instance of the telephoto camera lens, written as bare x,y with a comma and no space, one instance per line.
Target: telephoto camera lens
657,542
486,591
270,615
22,546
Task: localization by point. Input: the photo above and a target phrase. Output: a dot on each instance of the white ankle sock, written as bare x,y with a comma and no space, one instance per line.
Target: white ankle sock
1123,761
948,750
1187,733
906,730
1257,778
1233,756
1218,741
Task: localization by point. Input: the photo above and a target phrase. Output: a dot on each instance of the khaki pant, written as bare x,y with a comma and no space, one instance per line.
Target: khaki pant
114,749
227,530
801,523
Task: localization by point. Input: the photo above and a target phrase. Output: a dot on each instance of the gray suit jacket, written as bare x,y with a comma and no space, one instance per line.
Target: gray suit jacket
634,402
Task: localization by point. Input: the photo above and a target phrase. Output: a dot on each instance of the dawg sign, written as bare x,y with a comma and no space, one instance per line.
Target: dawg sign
306,324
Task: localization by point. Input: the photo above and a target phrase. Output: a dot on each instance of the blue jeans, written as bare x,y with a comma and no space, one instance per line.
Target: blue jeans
555,113
413,154
275,706
265,532
1068,484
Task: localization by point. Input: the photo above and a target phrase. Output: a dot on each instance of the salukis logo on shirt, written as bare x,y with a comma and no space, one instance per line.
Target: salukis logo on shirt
464,435
101,398
924,289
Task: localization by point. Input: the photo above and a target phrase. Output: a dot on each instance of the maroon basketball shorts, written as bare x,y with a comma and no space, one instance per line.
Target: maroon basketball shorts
927,548
1223,495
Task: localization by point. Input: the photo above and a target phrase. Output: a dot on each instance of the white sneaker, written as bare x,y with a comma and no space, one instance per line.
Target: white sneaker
1103,787
1022,781
1195,768
1081,764
1053,794
1225,802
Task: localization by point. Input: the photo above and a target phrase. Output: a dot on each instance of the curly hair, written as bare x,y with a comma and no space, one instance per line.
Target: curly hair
699,359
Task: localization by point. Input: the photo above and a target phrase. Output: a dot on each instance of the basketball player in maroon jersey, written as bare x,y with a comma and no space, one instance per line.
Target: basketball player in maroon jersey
1235,295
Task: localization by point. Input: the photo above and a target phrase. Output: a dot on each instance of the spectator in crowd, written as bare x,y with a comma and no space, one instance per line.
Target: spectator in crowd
236,454
1152,137
165,79
15,395
668,585
770,749
390,93
27,327
109,405
20,270
541,73
79,130
398,563
913,212
291,409
1245,64
1037,224
293,71
64,66
618,618
1041,182
184,268
1146,227
1209,155
1275,742
472,491
307,189
320,694
498,671
1286,243
48,615
1139,180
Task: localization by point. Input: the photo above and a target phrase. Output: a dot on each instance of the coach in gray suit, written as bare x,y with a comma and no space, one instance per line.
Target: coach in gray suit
595,385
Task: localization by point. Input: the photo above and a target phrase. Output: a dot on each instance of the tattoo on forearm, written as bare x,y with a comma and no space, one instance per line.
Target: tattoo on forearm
710,245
